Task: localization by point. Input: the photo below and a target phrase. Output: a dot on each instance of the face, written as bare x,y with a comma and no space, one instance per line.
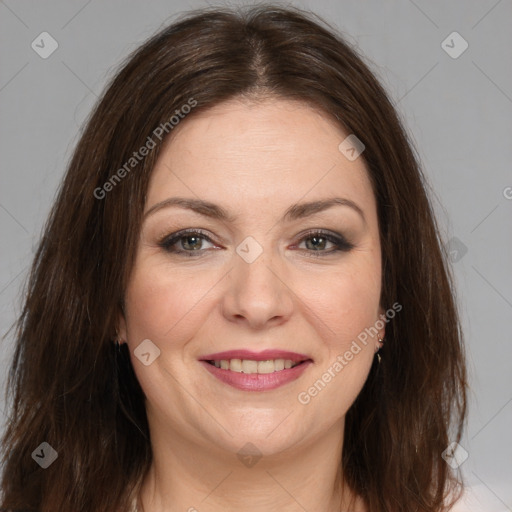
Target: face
272,246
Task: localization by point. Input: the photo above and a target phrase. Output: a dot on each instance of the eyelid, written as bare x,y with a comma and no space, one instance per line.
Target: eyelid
340,243
170,240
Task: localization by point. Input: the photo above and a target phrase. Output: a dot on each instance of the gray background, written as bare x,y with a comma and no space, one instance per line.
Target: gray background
458,111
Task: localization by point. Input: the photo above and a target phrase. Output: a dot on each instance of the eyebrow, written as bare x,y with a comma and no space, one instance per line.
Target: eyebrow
214,211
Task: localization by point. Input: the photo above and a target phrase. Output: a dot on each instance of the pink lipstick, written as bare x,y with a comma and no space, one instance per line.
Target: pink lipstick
256,371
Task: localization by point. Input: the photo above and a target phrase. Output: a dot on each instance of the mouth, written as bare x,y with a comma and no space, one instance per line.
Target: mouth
250,371
250,366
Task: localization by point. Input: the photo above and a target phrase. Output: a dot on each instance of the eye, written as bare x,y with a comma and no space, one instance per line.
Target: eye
322,243
193,243
187,242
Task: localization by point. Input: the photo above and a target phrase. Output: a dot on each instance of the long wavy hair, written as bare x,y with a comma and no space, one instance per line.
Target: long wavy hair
68,383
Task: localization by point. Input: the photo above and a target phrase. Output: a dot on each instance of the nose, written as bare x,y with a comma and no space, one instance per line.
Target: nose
258,294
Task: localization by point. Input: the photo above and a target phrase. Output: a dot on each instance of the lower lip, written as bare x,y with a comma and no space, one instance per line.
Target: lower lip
257,381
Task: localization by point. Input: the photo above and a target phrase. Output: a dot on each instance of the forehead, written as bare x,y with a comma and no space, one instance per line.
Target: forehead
245,152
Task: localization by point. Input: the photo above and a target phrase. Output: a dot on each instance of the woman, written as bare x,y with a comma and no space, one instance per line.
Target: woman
240,300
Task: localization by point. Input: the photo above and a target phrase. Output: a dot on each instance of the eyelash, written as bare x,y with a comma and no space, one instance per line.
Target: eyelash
340,243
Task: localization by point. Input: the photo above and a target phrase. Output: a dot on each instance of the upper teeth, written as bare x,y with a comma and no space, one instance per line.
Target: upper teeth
250,366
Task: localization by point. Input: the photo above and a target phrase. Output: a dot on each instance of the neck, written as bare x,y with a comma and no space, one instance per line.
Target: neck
186,475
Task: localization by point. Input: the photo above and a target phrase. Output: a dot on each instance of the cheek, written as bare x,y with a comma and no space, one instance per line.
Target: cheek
347,304
347,301
161,301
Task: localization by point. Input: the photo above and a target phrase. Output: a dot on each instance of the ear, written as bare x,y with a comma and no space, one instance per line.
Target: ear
382,317
121,330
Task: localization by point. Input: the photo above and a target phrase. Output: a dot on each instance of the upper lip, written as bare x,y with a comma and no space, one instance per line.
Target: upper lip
264,355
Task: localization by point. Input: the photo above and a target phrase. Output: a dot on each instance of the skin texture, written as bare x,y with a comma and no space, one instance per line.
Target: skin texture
255,159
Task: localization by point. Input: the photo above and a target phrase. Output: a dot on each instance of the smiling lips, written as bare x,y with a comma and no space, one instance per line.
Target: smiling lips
256,371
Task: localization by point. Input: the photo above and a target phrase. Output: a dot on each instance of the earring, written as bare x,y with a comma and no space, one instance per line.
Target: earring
118,340
380,345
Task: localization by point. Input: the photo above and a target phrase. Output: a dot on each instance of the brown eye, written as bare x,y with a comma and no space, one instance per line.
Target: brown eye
316,243
323,243
186,243
192,242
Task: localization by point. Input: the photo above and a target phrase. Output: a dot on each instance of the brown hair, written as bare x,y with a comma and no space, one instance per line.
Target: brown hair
71,387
